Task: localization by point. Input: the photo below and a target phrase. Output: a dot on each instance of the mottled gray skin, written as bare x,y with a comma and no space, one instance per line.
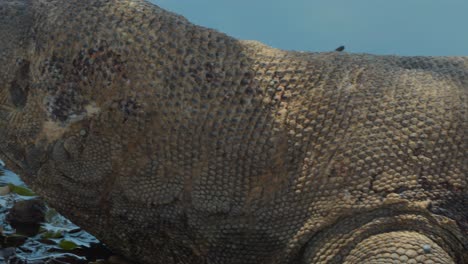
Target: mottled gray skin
174,143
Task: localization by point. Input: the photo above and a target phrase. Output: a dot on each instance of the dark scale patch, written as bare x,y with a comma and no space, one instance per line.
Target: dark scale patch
65,98
98,60
53,69
128,107
67,103
68,82
19,87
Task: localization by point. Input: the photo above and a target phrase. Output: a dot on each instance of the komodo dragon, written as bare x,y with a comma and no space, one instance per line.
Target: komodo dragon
174,143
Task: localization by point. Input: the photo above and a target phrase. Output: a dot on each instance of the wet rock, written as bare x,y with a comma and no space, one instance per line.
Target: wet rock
12,241
19,242
26,215
7,253
27,212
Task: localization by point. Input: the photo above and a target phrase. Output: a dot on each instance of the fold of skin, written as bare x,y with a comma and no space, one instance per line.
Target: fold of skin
174,143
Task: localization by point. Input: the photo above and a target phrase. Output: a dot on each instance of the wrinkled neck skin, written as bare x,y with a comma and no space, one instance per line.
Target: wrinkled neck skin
126,117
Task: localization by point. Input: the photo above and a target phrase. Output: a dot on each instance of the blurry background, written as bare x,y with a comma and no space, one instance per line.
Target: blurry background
410,27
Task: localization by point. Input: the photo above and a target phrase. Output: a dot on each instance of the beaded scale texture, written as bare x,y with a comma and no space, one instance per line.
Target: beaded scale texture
175,143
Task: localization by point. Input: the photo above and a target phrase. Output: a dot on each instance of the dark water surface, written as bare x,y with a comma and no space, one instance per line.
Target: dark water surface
55,240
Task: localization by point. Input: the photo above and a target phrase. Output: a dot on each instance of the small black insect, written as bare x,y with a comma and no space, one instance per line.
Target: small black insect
340,48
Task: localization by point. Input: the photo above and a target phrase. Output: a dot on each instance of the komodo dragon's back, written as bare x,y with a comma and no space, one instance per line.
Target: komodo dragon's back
175,143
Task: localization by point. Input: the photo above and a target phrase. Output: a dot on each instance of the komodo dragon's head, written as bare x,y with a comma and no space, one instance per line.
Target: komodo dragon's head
29,135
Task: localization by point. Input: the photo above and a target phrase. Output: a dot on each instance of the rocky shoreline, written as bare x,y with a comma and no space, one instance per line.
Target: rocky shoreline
33,233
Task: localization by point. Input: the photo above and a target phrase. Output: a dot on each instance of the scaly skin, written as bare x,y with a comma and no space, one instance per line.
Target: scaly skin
174,143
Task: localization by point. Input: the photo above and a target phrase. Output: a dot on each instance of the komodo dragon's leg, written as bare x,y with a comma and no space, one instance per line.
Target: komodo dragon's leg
395,235
386,247
398,247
